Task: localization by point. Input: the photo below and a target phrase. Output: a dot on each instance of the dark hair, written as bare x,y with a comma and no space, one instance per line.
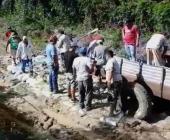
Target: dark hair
53,39
61,31
166,34
110,53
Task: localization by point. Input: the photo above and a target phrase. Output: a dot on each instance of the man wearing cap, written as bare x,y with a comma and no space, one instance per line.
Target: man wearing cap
52,63
69,57
130,36
13,41
82,69
25,53
114,82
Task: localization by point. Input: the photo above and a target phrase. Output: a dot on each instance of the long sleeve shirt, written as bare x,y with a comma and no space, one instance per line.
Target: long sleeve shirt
24,51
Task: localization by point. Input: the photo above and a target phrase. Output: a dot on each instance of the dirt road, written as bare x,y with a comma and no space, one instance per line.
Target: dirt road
25,113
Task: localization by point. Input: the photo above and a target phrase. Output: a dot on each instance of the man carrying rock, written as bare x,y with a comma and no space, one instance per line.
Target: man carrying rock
24,54
82,69
52,63
114,83
69,57
156,48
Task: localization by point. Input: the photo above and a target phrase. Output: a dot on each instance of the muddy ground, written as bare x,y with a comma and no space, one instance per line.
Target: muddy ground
27,115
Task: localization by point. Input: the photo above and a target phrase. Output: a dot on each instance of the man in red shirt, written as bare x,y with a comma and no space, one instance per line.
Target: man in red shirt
130,36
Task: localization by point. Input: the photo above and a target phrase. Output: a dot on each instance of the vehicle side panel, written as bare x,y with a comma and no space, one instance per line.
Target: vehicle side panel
153,77
130,70
166,88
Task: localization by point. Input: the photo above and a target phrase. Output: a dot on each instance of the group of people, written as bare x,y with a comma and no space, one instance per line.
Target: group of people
82,64
21,50
156,46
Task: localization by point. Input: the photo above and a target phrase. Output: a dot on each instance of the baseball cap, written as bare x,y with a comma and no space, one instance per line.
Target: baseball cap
83,50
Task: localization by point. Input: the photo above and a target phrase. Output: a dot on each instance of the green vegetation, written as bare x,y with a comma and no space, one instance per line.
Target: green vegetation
34,17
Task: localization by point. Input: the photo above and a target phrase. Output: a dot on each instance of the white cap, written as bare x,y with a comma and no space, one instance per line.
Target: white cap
99,41
24,38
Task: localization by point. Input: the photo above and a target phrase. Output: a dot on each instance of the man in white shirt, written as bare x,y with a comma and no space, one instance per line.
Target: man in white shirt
156,48
63,43
82,69
25,53
114,82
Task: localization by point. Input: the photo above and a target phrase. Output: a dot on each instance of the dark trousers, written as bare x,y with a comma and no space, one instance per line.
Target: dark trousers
53,78
24,63
116,98
85,91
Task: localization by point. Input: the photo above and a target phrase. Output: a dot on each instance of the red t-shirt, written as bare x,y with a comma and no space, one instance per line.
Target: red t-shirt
130,35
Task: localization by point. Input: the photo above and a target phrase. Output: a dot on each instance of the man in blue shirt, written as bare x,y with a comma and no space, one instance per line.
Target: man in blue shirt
52,63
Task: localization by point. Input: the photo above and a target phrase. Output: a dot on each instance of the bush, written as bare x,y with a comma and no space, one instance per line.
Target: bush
79,16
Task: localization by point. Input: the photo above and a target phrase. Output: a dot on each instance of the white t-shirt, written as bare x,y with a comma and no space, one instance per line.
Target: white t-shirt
99,54
23,51
83,65
63,43
90,49
112,65
156,41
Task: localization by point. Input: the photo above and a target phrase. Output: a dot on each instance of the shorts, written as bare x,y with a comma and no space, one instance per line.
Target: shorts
71,84
13,53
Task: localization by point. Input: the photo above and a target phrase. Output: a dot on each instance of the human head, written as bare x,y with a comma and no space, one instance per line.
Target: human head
9,28
25,39
166,34
53,39
13,34
128,21
100,41
73,46
82,51
61,31
109,53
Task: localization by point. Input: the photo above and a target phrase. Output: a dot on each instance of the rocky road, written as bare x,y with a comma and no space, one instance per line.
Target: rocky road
29,111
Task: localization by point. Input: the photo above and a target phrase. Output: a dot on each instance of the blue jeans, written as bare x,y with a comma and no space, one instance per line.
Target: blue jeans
131,52
53,78
24,63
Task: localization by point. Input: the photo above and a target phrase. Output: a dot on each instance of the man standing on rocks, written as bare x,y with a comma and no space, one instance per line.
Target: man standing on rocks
130,36
82,69
114,82
25,53
63,42
52,62
69,57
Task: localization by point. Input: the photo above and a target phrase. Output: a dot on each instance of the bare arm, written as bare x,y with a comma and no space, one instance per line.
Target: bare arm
123,33
109,78
137,37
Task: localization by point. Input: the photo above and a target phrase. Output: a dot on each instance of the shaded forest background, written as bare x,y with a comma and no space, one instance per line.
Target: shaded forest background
78,16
